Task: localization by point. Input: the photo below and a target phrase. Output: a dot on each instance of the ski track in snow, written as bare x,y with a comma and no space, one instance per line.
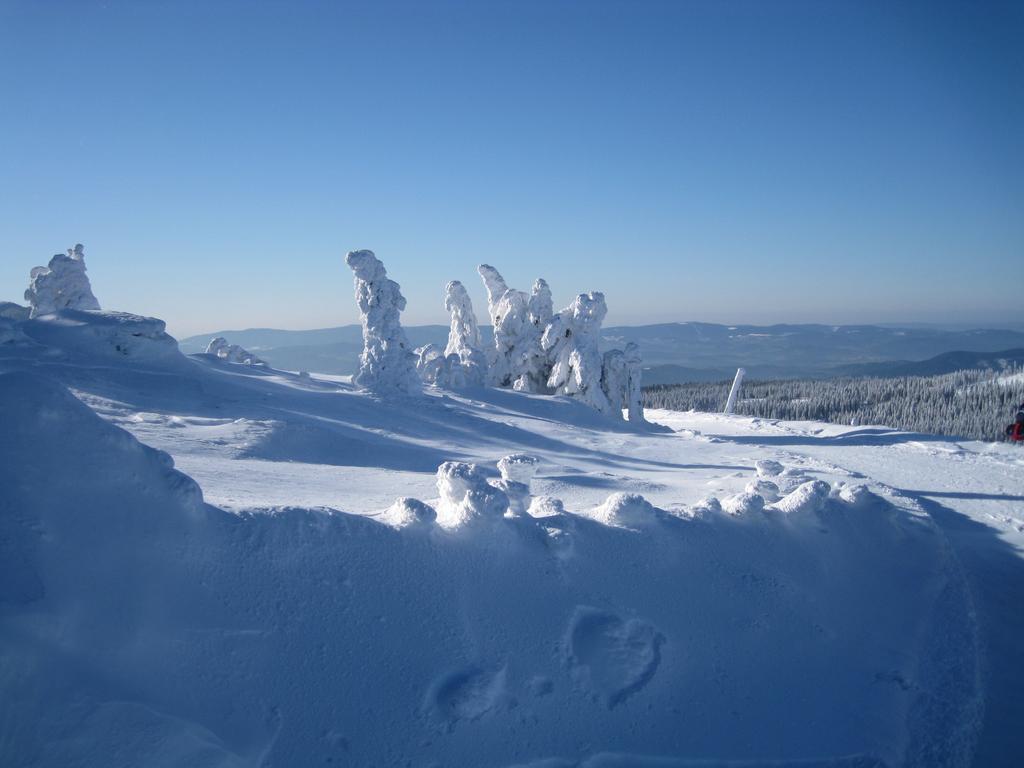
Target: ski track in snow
567,641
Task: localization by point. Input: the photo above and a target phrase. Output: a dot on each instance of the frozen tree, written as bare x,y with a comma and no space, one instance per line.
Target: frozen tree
536,363
571,341
463,334
431,364
61,285
232,353
517,359
467,364
462,363
634,394
386,365
620,381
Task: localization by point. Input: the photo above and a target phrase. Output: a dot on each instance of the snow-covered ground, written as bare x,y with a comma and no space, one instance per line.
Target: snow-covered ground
783,593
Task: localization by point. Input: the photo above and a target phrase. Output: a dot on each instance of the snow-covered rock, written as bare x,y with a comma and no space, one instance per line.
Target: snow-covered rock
571,341
232,353
61,285
466,495
387,364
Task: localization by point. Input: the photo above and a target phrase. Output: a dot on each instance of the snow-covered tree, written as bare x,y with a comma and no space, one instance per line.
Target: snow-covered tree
571,341
62,284
467,363
517,359
620,381
462,363
387,364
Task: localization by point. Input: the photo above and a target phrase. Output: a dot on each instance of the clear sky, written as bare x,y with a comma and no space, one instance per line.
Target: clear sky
720,161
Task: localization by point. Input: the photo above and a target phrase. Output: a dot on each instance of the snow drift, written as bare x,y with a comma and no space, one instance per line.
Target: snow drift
138,621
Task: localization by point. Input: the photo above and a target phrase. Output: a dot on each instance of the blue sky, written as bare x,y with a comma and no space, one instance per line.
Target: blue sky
722,161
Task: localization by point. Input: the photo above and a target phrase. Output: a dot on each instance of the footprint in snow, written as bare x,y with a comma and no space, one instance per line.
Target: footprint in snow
610,656
468,694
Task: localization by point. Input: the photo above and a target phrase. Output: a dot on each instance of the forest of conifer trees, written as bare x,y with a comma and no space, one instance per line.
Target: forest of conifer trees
975,404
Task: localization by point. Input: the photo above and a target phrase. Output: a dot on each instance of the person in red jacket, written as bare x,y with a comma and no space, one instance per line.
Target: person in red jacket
1015,432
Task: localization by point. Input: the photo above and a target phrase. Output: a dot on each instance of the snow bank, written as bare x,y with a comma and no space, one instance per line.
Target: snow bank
140,623
84,336
61,285
386,365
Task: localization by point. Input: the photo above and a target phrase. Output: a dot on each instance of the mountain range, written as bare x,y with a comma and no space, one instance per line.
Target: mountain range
691,351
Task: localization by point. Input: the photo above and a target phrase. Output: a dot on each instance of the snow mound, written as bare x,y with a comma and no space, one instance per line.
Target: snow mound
768,468
546,506
744,503
808,497
854,495
466,495
768,490
61,285
231,353
406,512
626,510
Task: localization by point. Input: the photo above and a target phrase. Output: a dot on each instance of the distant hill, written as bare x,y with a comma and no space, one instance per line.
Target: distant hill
944,363
673,352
